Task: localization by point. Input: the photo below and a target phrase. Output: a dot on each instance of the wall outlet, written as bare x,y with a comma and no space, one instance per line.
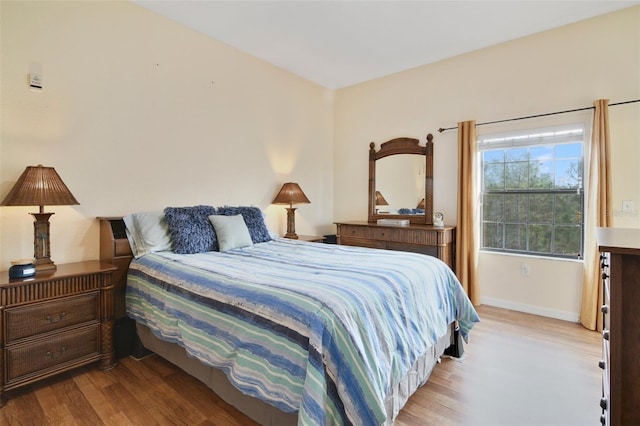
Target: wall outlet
524,270
627,206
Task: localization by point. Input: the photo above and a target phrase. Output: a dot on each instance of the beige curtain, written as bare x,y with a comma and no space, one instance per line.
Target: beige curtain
467,226
598,214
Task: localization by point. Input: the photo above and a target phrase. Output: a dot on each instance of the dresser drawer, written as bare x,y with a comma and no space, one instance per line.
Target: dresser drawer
355,231
362,242
43,317
56,352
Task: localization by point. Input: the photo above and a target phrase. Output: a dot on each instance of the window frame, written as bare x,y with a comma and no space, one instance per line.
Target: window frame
522,138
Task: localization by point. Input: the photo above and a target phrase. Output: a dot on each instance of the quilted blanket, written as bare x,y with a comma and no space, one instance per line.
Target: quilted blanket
322,330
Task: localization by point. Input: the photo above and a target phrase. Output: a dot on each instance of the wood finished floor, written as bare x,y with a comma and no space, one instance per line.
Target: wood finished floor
518,369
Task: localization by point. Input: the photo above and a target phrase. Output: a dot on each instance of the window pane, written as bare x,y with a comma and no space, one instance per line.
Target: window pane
569,209
532,191
540,208
491,235
493,156
515,208
568,173
518,154
567,240
493,208
540,238
541,152
517,175
515,237
541,175
493,176
569,150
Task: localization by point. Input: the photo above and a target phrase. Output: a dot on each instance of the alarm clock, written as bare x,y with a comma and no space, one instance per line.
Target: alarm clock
22,268
438,219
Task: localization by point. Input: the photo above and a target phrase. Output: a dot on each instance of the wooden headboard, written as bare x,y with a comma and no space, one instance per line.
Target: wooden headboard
115,249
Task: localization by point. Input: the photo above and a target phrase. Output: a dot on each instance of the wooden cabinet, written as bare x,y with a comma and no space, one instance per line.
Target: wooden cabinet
434,241
620,249
55,321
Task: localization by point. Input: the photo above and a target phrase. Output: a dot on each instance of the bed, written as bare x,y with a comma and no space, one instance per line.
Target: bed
293,332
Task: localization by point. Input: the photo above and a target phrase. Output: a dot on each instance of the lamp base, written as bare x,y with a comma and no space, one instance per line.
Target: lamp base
45,265
291,223
41,247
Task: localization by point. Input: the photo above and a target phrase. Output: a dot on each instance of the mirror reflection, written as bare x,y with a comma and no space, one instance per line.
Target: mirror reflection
400,181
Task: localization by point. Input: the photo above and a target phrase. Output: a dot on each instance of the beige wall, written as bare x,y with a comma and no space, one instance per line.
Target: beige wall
140,113
565,68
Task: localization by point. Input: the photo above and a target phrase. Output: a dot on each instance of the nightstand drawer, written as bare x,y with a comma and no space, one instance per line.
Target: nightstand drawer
55,352
37,318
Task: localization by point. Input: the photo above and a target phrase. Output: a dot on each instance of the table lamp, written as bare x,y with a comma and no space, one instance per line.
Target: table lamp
40,186
380,201
291,194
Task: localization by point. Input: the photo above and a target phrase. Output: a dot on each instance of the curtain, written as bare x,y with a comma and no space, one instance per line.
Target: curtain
467,225
598,214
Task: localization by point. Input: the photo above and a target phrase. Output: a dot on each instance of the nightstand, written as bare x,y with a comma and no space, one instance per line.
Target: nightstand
55,321
311,238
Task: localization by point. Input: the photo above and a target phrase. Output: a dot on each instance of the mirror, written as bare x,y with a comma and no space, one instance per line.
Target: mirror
401,180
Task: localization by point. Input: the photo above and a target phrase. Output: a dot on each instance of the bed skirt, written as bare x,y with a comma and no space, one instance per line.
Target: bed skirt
266,414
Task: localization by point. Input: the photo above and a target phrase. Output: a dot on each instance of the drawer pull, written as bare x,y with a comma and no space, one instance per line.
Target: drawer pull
604,276
604,309
52,355
601,364
605,335
603,403
56,318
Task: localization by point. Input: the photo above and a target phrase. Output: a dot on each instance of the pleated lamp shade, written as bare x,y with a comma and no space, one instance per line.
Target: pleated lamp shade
39,186
291,193
380,201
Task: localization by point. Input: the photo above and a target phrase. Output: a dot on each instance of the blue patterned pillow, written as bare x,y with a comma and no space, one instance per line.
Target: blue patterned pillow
190,229
253,218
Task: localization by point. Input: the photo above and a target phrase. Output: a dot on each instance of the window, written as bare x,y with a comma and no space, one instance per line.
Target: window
532,192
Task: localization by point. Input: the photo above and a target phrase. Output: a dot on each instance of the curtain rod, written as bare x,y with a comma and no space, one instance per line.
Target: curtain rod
440,130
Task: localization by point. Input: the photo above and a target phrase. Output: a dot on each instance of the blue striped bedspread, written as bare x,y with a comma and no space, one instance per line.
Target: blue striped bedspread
322,330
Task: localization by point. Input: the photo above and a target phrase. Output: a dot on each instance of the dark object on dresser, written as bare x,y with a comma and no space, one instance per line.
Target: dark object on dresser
620,261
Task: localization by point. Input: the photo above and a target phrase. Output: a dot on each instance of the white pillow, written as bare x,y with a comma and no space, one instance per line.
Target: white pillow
147,232
231,232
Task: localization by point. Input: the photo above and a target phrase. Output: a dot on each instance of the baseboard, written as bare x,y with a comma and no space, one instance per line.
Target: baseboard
531,309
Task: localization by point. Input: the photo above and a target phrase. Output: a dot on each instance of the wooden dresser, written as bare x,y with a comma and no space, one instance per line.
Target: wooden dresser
55,321
439,242
620,261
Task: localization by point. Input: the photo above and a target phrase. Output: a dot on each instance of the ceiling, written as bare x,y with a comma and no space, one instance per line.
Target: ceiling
342,43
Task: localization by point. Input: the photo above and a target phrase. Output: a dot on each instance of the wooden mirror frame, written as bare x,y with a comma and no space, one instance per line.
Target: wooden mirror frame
403,146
